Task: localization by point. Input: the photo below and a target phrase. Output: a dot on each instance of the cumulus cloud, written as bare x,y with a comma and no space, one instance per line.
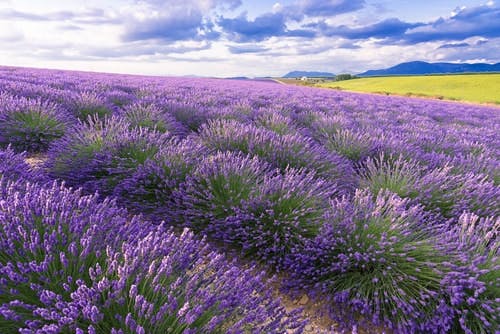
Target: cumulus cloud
241,29
348,45
174,20
199,4
69,27
276,23
176,24
478,51
464,23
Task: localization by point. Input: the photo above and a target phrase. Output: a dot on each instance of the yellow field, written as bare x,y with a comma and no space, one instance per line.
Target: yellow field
482,88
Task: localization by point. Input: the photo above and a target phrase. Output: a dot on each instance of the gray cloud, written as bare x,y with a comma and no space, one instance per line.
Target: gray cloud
140,49
176,25
241,29
483,21
91,16
11,36
314,8
484,52
454,45
348,45
11,14
241,49
388,28
275,24
69,27
469,22
175,20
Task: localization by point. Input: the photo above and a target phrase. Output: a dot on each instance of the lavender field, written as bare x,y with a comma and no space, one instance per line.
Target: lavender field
134,204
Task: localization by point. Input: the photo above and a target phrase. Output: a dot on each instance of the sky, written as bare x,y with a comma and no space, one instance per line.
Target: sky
225,38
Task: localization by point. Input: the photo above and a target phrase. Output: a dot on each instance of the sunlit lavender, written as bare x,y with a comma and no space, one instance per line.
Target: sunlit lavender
133,204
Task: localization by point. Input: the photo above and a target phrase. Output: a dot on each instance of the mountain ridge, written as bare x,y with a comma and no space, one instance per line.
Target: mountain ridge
422,67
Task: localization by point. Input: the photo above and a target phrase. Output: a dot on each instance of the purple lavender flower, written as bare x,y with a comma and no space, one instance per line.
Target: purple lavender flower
190,115
90,104
188,287
472,283
441,157
243,202
277,122
150,189
379,258
218,186
281,151
344,136
70,263
14,167
351,144
150,116
98,154
282,215
437,189
119,98
50,237
30,124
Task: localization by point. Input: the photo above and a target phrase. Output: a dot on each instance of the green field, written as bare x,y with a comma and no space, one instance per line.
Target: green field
482,88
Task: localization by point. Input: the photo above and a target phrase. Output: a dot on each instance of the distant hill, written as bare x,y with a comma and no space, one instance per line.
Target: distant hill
422,67
310,74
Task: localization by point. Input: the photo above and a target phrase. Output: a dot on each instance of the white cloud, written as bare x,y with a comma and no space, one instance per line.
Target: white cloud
277,7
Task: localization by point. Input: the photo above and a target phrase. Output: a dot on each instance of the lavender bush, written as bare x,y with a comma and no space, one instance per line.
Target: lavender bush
337,134
473,282
438,189
190,116
351,144
218,186
381,259
90,104
30,124
50,238
119,98
188,289
284,213
150,116
276,122
152,187
100,153
241,201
